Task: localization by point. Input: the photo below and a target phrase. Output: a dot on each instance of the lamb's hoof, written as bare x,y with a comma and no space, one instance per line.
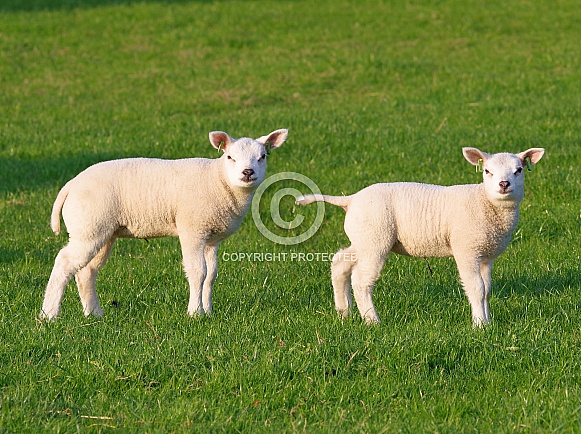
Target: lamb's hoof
480,324
44,317
49,313
96,312
372,321
370,317
196,313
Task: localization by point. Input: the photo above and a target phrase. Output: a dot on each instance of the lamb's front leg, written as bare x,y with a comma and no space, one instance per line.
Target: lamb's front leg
211,256
195,269
486,273
474,288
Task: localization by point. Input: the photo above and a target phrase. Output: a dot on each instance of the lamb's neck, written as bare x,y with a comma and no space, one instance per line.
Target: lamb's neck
503,214
239,198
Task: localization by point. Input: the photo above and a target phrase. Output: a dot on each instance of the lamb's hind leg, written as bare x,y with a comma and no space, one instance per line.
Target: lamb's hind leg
86,280
341,269
72,257
365,273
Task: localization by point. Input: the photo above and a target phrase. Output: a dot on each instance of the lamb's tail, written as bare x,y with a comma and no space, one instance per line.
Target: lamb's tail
55,217
342,201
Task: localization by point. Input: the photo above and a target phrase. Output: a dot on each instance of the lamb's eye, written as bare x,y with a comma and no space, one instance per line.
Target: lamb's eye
519,170
262,158
487,171
230,158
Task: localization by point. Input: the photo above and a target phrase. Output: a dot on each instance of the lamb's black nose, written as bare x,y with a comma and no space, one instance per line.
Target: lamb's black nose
248,172
504,184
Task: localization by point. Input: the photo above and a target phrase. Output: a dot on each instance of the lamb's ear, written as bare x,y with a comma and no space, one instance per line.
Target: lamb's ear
475,156
220,140
276,138
534,155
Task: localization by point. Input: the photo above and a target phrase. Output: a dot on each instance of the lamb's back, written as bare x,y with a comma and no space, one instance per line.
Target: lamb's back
419,219
143,196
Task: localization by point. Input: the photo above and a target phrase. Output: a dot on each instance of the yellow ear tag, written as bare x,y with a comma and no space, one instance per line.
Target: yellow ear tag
479,165
529,165
267,146
220,147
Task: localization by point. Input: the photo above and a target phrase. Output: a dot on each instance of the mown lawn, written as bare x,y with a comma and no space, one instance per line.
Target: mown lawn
371,91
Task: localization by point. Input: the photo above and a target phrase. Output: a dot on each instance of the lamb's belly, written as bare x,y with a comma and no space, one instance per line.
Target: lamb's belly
427,249
146,231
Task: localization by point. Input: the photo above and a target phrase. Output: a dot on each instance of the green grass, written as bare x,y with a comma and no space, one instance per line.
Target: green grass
371,91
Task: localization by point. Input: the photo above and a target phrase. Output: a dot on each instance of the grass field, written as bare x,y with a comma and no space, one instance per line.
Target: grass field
371,91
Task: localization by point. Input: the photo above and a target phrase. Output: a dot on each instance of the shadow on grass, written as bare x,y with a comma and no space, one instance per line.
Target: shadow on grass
9,256
535,284
522,282
52,5
19,174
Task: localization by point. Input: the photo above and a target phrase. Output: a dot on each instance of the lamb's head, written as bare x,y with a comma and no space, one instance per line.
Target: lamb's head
244,160
504,173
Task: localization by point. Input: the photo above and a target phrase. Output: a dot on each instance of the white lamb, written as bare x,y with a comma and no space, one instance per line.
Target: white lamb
201,201
473,223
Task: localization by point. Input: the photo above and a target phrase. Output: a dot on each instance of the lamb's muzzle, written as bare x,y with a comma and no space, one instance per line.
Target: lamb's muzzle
504,186
473,223
201,201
